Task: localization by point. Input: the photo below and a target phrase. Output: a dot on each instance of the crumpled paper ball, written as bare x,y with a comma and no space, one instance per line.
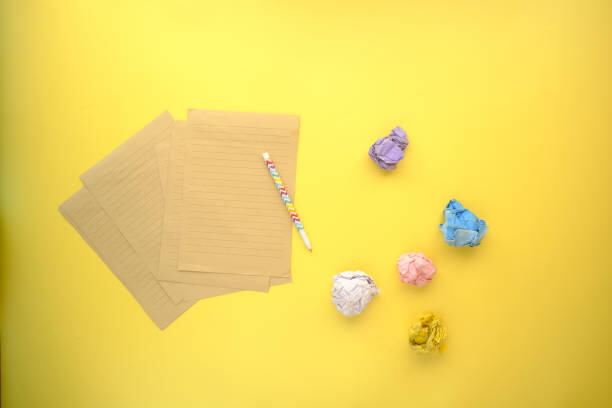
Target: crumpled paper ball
415,269
428,334
352,292
461,227
388,151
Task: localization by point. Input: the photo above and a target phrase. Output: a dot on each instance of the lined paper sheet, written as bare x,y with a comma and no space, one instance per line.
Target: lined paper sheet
233,220
168,266
97,229
126,184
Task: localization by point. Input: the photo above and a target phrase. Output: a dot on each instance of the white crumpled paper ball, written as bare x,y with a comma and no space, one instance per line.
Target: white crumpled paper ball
352,292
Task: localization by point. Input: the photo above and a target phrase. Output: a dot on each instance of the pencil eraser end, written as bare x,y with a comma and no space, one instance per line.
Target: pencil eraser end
266,156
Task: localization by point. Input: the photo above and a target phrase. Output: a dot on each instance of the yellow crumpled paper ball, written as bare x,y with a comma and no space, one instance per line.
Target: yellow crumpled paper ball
428,334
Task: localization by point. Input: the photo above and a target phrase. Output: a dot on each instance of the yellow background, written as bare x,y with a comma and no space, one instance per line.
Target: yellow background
507,106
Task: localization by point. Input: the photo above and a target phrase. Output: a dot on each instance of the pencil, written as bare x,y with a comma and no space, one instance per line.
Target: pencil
288,204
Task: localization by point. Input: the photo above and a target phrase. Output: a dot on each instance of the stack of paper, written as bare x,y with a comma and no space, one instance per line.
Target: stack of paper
186,210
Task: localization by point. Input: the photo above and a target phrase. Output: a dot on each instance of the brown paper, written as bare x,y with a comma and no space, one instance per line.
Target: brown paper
233,220
126,184
98,230
168,270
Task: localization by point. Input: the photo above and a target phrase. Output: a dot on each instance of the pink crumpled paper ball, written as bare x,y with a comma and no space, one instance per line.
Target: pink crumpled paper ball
415,269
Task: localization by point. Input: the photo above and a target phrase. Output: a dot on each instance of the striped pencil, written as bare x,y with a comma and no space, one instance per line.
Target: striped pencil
283,192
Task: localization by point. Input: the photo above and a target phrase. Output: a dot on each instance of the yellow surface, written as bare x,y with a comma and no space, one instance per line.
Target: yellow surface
507,106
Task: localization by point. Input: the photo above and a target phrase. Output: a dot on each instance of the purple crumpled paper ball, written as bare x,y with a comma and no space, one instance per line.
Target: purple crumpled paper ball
388,151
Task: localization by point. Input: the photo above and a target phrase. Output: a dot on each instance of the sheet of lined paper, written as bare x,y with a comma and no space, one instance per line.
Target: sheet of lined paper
168,266
97,229
126,184
233,220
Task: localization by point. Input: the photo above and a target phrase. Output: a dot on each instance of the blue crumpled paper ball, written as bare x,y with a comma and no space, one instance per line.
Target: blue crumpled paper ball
461,227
